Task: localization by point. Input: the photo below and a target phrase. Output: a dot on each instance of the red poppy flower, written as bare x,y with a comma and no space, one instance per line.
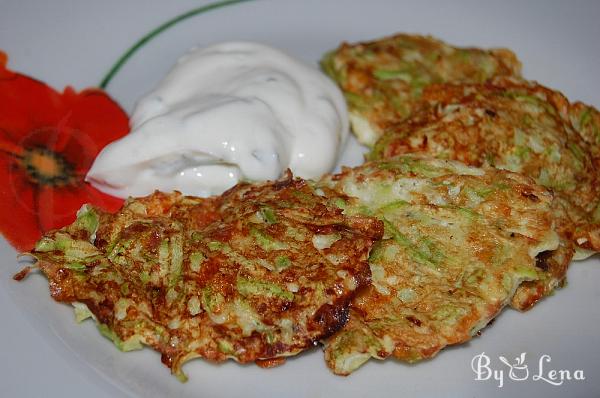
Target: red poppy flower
48,141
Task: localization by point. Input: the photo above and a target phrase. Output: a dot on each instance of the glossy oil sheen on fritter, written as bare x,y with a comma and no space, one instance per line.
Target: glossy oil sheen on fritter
383,80
458,243
260,273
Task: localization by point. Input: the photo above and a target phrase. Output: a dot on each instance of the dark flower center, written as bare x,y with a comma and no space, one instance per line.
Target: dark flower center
48,168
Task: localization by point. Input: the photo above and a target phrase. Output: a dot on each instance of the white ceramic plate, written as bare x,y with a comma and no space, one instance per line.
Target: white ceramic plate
44,353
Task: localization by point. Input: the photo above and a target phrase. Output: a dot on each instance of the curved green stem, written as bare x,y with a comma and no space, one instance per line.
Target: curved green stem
152,34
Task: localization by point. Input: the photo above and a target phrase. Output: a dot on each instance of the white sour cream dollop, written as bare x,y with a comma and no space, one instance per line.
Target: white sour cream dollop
230,112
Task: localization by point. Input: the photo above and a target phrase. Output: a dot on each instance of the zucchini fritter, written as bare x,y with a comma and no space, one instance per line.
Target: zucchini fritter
383,80
519,126
262,272
459,242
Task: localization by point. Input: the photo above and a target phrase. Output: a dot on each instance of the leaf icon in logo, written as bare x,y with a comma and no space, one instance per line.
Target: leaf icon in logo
519,371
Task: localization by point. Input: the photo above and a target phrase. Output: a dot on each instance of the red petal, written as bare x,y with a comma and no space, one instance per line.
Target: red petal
58,206
94,121
18,220
4,73
28,105
33,114
102,200
8,146
75,125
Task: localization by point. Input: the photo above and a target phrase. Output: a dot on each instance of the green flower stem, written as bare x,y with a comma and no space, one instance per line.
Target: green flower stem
152,34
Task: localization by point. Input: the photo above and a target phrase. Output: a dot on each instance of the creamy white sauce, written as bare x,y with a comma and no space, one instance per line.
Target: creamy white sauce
230,112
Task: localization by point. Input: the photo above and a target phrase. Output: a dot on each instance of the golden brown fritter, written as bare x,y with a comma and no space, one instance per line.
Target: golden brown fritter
518,126
260,273
459,242
383,79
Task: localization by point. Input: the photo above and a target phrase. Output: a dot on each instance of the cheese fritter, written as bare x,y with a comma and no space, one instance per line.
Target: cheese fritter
383,80
459,242
260,273
519,126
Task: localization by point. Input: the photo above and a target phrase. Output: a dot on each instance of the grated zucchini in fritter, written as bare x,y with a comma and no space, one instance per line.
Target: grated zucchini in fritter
459,242
518,126
260,273
384,79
